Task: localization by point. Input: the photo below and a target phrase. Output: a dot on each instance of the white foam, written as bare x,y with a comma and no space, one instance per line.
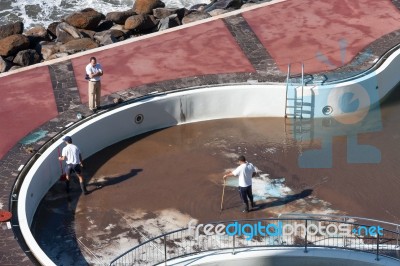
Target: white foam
44,12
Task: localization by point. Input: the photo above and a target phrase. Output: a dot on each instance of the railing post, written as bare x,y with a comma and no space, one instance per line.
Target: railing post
377,247
233,250
305,238
165,250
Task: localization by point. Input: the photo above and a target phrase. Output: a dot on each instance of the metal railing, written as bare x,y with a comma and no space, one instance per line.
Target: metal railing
371,237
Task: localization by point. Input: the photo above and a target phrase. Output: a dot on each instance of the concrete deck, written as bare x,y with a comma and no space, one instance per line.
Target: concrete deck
257,44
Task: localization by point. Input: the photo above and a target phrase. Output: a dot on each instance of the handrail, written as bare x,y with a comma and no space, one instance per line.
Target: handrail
182,242
287,88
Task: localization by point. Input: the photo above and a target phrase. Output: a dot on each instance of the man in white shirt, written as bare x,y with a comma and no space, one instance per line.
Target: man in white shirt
93,74
73,157
245,171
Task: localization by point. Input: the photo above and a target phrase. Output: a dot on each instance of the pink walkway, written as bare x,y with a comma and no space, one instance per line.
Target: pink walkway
297,31
200,50
27,101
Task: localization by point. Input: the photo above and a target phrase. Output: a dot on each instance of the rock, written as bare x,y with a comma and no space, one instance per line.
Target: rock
66,33
27,57
78,45
104,25
36,35
146,6
52,29
217,12
223,4
109,36
120,28
5,65
87,19
169,22
57,55
120,17
198,7
166,12
13,44
247,5
49,49
140,22
194,16
88,34
38,31
14,68
11,29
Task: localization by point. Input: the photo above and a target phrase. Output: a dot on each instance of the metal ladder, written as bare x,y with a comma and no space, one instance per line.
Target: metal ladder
294,103
298,114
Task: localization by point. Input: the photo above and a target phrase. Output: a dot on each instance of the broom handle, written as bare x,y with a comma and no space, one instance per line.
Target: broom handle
59,154
223,192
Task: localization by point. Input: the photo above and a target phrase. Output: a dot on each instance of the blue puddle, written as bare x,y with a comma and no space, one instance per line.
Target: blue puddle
263,187
34,137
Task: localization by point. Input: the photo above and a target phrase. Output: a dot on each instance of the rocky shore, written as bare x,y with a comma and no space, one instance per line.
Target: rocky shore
88,29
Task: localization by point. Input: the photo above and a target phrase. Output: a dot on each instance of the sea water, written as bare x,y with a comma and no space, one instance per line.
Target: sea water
43,12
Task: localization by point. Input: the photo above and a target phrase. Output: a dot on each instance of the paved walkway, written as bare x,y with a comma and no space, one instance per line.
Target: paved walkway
257,44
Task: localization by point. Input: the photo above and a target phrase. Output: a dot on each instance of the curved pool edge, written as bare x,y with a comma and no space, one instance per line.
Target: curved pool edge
193,106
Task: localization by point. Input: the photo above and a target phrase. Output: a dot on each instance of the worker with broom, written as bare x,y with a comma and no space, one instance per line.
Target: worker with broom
73,157
245,171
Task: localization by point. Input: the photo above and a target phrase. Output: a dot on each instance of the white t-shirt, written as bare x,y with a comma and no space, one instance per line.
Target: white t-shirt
93,70
71,152
245,172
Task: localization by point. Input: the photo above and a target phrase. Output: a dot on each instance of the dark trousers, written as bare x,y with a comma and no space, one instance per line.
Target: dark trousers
246,192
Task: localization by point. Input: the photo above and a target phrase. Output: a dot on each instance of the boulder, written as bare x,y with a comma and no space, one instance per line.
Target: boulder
146,6
66,33
13,44
52,29
78,45
11,29
120,17
223,4
5,65
104,25
49,49
198,7
26,58
140,22
14,68
36,35
194,16
109,36
166,12
169,22
217,12
87,19
120,28
247,5
88,34
57,55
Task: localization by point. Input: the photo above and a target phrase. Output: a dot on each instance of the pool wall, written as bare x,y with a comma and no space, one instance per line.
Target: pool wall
220,102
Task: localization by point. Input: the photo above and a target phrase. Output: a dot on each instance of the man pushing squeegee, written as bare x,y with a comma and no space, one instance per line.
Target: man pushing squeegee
245,171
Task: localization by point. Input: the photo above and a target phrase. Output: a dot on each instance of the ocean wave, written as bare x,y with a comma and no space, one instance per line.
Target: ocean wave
43,12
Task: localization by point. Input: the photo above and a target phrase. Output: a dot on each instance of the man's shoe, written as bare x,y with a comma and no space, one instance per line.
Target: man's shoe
245,210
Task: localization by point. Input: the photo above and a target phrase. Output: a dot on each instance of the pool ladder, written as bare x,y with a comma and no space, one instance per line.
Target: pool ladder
298,113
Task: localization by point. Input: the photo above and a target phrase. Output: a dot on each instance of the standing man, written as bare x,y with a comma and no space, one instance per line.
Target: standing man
94,72
245,171
73,157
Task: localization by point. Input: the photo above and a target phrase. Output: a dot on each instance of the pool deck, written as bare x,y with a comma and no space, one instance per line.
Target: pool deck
334,38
